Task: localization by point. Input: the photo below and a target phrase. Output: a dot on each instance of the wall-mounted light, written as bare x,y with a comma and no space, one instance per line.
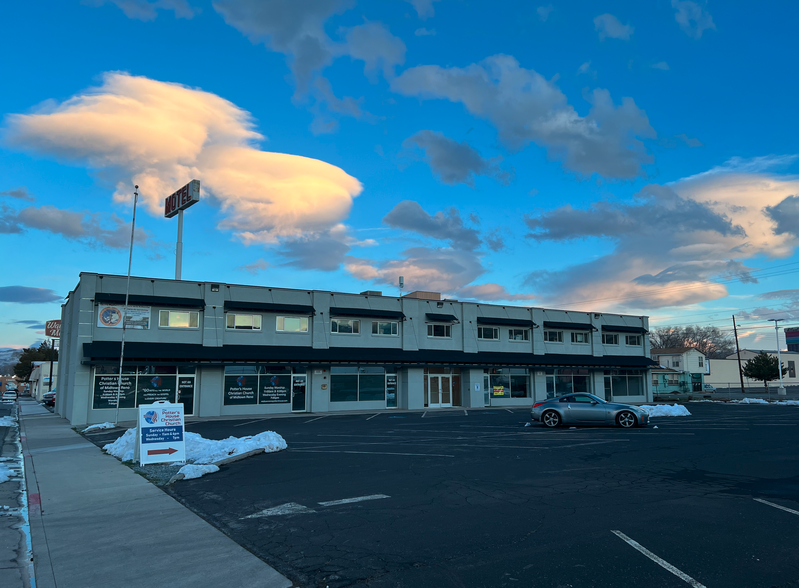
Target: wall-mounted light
439,305
214,287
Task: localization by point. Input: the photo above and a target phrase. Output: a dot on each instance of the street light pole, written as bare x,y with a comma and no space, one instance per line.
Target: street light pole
781,390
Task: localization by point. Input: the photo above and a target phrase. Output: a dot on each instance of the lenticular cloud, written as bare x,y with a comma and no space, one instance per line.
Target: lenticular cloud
159,135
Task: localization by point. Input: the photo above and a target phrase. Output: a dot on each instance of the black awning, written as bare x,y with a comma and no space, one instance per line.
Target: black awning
269,307
571,326
488,320
147,300
366,312
441,318
623,329
164,353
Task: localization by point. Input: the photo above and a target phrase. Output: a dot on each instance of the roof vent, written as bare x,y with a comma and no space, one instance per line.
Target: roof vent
421,295
372,293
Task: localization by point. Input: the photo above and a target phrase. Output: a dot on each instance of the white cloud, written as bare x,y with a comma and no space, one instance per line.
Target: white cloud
692,18
148,10
608,25
255,267
424,8
544,12
525,107
160,135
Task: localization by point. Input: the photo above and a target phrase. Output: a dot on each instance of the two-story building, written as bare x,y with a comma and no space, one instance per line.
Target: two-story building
689,363
227,349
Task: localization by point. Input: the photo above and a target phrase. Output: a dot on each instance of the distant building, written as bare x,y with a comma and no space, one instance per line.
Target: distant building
685,360
39,379
792,339
724,372
236,350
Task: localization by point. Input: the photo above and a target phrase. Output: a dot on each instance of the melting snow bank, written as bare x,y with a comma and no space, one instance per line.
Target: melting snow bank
202,453
763,401
665,410
7,421
99,427
5,474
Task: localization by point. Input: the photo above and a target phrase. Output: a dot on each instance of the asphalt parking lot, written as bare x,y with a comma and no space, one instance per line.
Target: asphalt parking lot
476,499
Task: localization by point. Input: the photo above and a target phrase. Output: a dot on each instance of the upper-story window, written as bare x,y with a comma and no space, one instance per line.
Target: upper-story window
701,361
487,333
553,336
634,340
610,339
385,328
292,324
179,319
519,334
675,361
244,322
581,337
439,331
345,326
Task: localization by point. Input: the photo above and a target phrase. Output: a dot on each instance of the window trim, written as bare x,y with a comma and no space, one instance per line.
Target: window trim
481,331
189,312
525,339
614,337
253,328
639,340
585,335
559,336
284,317
356,326
393,324
447,329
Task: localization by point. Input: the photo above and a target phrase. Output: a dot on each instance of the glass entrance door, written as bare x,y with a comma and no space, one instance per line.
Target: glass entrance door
440,391
298,393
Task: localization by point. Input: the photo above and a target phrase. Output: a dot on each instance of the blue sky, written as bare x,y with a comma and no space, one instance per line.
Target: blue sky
619,156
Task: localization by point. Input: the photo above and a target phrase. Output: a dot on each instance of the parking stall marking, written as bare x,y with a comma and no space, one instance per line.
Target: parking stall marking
661,562
284,509
317,418
353,500
371,453
373,416
785,508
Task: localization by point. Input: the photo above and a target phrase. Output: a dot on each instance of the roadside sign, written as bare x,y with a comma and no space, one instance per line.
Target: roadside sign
52,329
181,199
161,435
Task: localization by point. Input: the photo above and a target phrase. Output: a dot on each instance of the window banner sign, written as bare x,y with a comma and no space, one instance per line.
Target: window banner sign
161,433
240,389
105,391
155,388
275,389
498,391
110,317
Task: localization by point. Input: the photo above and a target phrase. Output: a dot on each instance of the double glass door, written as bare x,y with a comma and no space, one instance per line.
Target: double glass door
440,389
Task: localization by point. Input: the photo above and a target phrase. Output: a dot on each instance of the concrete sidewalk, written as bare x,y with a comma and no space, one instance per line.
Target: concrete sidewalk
96,523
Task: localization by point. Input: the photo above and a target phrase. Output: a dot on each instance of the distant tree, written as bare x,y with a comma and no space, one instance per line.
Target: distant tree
24,366
763,367
710,341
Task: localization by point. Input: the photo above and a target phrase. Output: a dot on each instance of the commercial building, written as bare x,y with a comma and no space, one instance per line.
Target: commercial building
690,364
39,379
724,372
226,349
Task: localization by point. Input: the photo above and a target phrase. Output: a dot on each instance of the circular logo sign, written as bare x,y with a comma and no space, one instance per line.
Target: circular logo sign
156,382
151,417
110,316
241,380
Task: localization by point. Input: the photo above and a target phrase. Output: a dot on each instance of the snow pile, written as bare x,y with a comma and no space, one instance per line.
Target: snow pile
711,401
204,451
99,427
788,402
5,474
751,401
7,421
665,410
195,471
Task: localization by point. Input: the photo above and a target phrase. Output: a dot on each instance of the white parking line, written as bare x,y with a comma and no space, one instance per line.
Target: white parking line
373,416
357,499
785,508
251,422
316,419
424,413
661,562
464,412
509,410
372,453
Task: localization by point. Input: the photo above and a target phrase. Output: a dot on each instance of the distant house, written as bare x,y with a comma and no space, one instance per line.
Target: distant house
687,361
723,373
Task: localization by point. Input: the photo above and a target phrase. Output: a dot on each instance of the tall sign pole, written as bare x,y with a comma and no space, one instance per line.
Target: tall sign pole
175,204
52,329
738,350
127,299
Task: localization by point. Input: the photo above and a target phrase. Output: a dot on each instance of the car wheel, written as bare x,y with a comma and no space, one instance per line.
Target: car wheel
550,419
626,419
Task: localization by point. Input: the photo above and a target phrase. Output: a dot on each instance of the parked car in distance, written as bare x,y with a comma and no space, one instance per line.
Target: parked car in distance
587,409
709,388
48,398
10,395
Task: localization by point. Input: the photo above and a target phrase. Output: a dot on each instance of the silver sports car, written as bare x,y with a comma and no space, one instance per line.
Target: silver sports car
587,409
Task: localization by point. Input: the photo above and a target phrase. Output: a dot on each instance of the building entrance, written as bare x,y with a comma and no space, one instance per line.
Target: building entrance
298,386
440,388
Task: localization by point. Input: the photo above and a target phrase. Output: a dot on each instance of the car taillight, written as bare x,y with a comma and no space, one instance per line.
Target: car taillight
538,404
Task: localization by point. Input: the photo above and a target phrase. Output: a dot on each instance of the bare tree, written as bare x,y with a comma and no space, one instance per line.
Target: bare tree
710,341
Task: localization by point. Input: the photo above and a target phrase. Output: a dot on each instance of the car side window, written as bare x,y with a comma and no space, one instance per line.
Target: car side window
567,399
583,398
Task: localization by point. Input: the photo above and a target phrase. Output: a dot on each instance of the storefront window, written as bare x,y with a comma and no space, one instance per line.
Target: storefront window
567,381
257,384
508,382
354,384
142,384
624,383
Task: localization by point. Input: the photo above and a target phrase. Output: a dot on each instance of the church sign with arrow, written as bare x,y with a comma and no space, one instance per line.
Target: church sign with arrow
161,435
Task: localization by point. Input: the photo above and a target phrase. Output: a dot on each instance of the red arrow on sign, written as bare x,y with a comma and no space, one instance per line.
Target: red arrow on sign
169,451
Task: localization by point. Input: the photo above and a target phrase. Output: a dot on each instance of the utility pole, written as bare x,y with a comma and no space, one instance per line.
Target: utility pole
52,352
738,350
127,299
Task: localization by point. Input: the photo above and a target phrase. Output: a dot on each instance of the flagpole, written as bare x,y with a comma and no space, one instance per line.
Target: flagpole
125,309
